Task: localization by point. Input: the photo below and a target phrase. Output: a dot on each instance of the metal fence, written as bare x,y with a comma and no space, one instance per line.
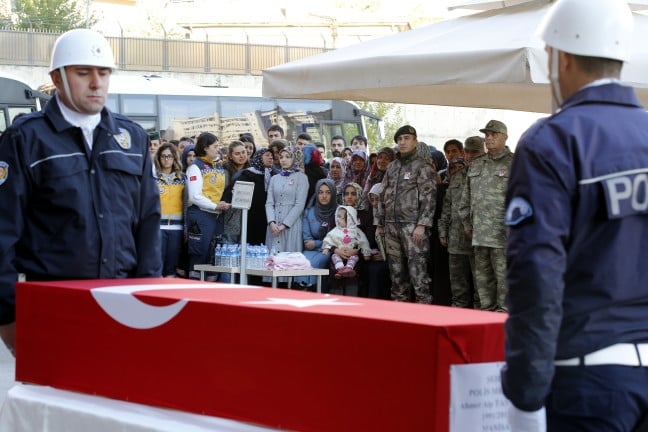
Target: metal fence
33,48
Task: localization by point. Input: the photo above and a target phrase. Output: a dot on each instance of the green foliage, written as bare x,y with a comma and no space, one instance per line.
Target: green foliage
54,15
391,114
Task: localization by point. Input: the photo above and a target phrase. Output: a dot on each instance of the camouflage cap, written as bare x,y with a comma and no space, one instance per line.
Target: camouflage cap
495,126
403,130
474,144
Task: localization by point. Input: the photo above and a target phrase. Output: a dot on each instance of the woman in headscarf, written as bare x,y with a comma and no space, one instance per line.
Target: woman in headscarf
346,154
358,171
285,205
319,219
384,156
440,164
337,173
258,173
353,197
188,156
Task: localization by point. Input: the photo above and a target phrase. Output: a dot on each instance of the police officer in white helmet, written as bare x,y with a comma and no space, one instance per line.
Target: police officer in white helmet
79,199
577,212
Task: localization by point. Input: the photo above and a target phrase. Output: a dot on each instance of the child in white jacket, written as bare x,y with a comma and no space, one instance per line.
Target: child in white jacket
346,233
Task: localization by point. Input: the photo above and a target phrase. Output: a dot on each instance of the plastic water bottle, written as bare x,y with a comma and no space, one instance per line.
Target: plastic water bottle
218,255
258,259
258,256
251,256
227,259
237,256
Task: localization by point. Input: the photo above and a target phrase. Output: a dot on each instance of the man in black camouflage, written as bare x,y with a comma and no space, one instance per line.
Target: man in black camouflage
405,218
482,213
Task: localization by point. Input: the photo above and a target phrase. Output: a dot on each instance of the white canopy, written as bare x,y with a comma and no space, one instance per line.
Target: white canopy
491,59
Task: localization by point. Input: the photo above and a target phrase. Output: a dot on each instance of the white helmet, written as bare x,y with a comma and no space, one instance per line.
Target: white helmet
601,28
82,47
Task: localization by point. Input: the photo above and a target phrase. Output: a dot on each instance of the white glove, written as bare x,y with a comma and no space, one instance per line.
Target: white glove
527,421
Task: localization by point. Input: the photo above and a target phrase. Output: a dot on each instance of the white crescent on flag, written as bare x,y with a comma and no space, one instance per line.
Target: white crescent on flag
128,310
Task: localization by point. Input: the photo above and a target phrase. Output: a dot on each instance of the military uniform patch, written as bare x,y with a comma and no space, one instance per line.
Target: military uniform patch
123,139
4,171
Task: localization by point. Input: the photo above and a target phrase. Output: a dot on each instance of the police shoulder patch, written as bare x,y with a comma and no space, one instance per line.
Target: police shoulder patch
519,210
123,139
4,171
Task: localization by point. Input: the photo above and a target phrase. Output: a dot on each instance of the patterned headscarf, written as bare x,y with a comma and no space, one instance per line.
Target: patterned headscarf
339,184
257,167
375,175
257,160
358,177
294,167
358,205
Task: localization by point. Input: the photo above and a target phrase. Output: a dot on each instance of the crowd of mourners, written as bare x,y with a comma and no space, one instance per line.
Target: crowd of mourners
406,223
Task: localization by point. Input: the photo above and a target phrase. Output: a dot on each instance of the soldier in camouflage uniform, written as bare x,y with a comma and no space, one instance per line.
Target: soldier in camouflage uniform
451,230
482,213
405,218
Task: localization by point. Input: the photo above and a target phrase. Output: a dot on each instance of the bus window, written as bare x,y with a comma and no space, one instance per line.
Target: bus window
14,111
138,105
3,121
300,113
112,103
247,114
188,116
179,109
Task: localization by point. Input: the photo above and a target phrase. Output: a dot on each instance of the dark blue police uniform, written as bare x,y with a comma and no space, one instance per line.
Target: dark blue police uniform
577,209
74,213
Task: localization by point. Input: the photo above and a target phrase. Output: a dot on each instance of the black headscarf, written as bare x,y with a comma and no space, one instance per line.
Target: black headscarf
325,214
257,167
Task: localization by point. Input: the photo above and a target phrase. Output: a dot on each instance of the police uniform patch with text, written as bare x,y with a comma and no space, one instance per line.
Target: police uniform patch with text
4,171
518,211
626,194
123,139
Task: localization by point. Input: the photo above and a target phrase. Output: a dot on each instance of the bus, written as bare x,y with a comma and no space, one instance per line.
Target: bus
176,109
17,97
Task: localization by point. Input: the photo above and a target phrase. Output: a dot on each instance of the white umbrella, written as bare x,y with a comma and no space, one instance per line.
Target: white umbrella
491,59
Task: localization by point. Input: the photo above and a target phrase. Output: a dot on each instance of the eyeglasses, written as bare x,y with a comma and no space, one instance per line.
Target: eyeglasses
167,157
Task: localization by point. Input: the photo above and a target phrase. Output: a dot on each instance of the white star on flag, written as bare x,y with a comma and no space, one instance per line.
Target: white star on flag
303,303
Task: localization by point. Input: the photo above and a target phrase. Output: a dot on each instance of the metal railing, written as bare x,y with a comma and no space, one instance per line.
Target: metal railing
33,48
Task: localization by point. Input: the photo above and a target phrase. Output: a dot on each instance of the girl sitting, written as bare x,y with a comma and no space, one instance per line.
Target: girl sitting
346,233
